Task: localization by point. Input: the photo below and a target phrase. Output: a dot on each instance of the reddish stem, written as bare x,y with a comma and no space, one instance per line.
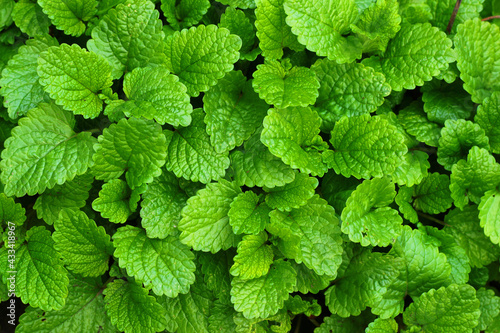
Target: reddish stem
453,16
491,18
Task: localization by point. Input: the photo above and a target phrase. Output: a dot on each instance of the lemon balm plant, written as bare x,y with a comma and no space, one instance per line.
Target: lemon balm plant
250,165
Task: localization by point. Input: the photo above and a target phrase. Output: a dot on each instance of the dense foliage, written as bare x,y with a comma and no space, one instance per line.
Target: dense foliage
197,166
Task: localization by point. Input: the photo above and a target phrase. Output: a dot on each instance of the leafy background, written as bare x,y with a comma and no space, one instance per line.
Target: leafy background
251,166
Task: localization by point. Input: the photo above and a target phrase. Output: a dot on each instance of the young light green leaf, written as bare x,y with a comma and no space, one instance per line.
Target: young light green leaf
457,137
243,4
409,62
10,211
489,215
19,80
30,18
433,194
449,309
347,90
315,232
248,215
354,156
415,122
404,199
154,93
489,304
413,169
256,166
465,227
41,280
117,201
134,146
70,195
161,206
281,85
254,257
190,154
201,55
233,111
131,309
239,24
185,13
367,217
205,222
44,151
273,32
165,265
320,26
383,326
69,15
470,179
292,195
478,58
129,36
84,309
264,296
366,277
74,78
84,247
488,117
292,135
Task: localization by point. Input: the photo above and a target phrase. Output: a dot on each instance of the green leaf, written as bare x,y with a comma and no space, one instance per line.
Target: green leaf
221,317
243,4
457,137
292,195
205,222
378,24
336,324
442,11
131,309
281,85
356,156
367,217
347,90
41,280
129,36
5,13
488,117
415,122
489,214
478,58
74,77
69,15
29,17
136,147
215,269
308,281
154,93
44,151
404,199
117,201
465,228
233,111
320,26
489,304
83,311
165,265
201,55
256,166
264,296
413,169
409,62
446,101
185,13
190,154
70,195
472,178
189,312
315,232
449,309
292,135
239,24
433,194
247,214
19,80
297,305
161,206
10,211
254,257
84,247
366,277
273,32
336,189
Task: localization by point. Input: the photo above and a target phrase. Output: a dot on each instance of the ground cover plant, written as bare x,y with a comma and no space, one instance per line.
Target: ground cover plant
250,166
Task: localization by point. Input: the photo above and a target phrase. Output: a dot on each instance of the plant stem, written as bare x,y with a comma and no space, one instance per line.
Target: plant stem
314,321
491,18
94,130
432,218
453,16
299,321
